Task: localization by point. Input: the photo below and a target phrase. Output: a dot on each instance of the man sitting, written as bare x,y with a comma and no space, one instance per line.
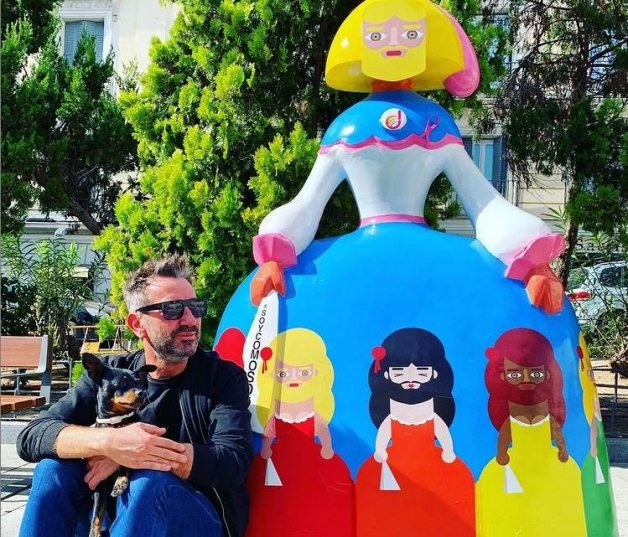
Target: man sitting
192,450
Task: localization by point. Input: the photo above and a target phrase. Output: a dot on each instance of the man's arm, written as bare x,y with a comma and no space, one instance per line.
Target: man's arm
63,431
224,460
39,438
139,445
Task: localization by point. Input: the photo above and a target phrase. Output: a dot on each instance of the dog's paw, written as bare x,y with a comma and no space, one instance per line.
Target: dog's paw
95,529
121,484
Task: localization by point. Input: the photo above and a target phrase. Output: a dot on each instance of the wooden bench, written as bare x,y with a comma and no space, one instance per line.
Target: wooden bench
23,357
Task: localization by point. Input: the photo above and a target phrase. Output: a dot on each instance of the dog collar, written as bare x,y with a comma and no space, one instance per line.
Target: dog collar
114,420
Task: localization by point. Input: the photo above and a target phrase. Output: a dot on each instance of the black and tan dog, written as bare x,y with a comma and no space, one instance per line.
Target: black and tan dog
121,393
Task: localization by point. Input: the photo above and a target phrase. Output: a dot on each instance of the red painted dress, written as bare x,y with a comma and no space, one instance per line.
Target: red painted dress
316,497
433,498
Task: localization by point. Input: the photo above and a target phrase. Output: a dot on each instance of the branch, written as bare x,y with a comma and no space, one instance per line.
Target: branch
76,209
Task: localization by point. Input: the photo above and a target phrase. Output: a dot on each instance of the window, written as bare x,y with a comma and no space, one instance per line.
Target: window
602,58
503,22
74,30
487,154
95,18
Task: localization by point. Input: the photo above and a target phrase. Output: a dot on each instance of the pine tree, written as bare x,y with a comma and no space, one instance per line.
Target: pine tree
64,136
564,109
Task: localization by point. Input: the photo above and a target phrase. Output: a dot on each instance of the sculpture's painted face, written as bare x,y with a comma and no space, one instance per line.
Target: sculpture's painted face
294,376
410,377
525,378
409,384
296,381
393,38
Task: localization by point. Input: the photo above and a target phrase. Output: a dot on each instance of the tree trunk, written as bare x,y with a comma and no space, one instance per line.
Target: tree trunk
619,362
563,262
76,209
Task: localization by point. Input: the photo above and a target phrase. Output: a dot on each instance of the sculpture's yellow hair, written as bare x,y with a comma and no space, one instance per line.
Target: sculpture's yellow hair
443,54
589,391
297,347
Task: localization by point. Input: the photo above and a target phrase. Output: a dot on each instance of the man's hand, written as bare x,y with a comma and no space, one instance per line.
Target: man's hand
141,445
183,471
268,277
544,289
99,468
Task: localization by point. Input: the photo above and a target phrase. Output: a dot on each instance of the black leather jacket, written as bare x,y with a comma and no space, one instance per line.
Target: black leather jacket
214,401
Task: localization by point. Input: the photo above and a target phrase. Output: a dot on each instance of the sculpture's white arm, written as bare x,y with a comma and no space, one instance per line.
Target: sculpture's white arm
503,229
384,434
441,431
298,220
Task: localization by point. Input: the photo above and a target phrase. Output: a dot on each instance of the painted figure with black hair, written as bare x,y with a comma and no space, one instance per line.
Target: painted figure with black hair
413,485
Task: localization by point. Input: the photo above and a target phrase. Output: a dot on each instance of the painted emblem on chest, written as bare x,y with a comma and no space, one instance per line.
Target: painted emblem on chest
393,119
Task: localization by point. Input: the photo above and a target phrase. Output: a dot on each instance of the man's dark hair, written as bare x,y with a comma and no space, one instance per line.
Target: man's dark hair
174,266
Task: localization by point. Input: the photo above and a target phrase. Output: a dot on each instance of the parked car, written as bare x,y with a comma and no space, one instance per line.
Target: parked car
600,292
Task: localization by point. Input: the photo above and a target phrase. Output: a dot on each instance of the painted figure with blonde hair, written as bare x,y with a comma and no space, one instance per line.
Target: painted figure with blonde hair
596,486
298,486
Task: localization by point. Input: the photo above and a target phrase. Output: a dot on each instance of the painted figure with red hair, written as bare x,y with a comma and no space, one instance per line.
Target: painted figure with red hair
532,486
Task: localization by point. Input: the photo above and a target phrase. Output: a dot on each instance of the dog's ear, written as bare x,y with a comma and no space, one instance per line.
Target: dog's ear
93,366
143,372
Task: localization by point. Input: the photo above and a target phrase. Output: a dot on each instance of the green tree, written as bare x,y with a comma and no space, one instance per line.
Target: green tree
46,270
64,136
15,308
564,109
228,123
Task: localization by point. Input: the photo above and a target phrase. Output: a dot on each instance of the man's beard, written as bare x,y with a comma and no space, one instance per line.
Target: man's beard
409,397
172,350
541,392
298,394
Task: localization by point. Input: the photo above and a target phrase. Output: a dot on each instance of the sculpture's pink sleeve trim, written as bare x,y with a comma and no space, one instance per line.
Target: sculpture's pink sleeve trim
538,252
274,247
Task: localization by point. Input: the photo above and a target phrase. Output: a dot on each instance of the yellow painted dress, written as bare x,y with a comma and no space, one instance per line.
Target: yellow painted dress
535,495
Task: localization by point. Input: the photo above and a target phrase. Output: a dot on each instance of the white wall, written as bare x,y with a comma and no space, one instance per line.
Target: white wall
138,21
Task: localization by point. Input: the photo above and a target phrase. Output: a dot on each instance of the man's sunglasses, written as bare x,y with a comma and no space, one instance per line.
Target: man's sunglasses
173,309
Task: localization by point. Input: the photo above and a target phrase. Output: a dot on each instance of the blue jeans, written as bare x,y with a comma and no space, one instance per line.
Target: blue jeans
156,504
